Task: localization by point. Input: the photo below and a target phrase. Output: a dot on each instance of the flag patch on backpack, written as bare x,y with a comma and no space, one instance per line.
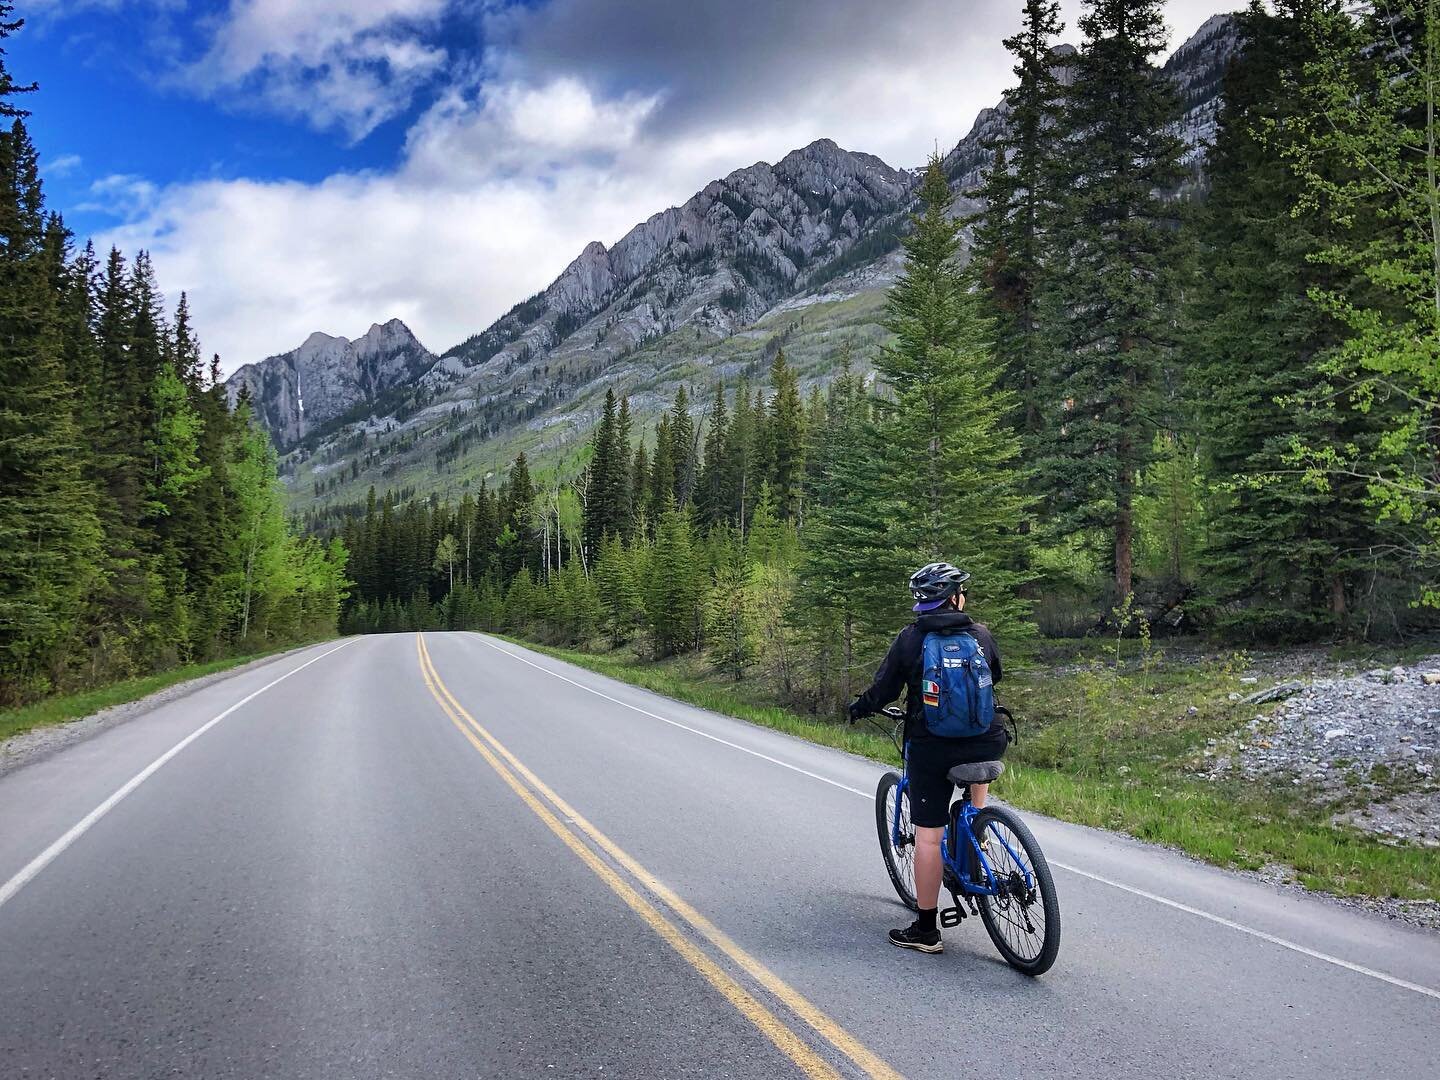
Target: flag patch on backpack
956,687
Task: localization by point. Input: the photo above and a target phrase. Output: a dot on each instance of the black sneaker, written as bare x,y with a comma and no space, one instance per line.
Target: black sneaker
913,937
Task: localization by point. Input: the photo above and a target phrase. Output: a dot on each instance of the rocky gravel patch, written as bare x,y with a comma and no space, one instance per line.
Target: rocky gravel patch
1370,743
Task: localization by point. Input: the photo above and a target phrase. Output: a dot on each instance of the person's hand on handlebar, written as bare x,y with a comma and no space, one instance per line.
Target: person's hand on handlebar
857,711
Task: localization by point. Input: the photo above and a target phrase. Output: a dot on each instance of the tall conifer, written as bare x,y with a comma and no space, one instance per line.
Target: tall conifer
1112,281
1017,194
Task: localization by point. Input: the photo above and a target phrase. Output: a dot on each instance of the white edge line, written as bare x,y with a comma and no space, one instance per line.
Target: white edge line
46,857
1262,935
1176,904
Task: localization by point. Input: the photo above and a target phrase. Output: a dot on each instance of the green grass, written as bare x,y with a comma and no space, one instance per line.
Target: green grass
58,710
1115,749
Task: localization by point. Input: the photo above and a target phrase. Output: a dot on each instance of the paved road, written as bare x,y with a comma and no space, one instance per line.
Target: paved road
491,864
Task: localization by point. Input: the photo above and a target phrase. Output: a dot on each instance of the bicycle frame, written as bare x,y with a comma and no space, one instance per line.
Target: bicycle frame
960,873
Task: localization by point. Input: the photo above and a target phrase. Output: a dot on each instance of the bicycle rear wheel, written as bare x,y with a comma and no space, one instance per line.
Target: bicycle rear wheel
1024,919
899,861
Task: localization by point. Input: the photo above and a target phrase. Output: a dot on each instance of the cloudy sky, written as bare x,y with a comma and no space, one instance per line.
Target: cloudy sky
300,165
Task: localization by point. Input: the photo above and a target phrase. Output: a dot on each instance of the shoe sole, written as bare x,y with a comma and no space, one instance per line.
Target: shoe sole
939,946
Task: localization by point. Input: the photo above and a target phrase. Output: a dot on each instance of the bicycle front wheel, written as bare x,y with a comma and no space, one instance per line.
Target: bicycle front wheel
1023,919
899,858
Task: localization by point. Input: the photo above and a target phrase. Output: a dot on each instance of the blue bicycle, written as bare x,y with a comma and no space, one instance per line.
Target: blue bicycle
991,859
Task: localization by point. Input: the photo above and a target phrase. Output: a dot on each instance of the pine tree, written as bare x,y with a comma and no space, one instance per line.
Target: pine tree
738,469
684,452
846,613
730,612
951,488
712,501
662,474
639,492
760,460
8,87
1110,290
674,591
1008,236
1282,559
48,529
582,611
625,496
516,514
604,511
121,415
786,439
620,589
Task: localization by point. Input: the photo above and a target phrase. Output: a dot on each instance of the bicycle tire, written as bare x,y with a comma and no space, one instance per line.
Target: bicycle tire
1007,933
900,868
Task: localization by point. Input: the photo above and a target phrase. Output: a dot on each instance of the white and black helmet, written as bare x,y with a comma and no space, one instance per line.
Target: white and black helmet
935,583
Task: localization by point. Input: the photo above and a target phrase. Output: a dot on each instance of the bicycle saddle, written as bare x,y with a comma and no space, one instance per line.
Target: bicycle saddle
977,772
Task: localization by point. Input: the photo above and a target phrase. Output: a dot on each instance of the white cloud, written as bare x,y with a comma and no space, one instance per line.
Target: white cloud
351,64
122,195
265,264
512,127
61,164
563,132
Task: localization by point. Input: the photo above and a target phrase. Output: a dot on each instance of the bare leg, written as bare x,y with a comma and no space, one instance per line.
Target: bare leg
978,794
927,867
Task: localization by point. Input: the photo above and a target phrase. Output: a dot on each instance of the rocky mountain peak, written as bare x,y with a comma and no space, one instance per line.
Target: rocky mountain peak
327,377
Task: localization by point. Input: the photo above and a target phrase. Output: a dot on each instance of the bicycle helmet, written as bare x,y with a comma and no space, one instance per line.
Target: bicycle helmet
935,583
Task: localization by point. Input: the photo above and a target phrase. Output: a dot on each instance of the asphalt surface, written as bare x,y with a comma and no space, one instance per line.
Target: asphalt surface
547,873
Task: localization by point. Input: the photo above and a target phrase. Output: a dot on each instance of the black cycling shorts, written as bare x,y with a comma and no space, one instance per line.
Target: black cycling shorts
930,758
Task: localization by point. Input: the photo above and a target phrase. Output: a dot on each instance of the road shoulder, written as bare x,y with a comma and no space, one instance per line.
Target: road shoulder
39,743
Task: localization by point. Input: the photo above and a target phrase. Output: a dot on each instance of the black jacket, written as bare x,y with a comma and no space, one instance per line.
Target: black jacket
901,668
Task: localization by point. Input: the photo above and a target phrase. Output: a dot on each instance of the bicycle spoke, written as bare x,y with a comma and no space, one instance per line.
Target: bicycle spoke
1021,924
905,854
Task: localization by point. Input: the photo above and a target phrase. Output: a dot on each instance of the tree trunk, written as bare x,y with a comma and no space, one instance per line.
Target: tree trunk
1337,596
1124,549
249,576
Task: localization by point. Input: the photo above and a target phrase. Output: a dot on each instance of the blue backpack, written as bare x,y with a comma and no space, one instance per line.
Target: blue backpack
956,687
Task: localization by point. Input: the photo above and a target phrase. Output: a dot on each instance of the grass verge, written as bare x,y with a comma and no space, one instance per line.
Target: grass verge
1111,754
59,710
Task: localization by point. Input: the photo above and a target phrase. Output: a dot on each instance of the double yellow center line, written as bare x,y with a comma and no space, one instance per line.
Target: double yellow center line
537,795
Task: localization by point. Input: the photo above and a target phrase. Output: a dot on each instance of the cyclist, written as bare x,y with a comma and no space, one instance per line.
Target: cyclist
939,591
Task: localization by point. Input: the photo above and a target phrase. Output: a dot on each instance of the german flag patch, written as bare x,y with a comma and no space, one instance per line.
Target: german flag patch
930,693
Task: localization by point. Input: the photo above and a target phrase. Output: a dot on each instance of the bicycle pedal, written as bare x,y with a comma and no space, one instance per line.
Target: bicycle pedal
951,916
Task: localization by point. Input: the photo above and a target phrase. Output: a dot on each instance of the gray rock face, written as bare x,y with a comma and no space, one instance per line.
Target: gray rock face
720,260
326,377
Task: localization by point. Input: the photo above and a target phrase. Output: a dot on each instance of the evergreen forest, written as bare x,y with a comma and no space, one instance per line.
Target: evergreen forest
1137,407
1124,401
142,524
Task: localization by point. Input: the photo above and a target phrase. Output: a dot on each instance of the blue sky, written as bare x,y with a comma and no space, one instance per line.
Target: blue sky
301,165
117,99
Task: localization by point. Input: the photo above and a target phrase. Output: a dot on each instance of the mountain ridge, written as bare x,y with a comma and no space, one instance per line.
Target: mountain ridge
744,261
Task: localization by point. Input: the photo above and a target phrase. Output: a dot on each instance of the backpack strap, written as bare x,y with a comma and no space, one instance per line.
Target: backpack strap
1012,731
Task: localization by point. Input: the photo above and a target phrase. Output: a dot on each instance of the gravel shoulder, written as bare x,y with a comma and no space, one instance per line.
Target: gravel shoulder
39,743
1365,745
